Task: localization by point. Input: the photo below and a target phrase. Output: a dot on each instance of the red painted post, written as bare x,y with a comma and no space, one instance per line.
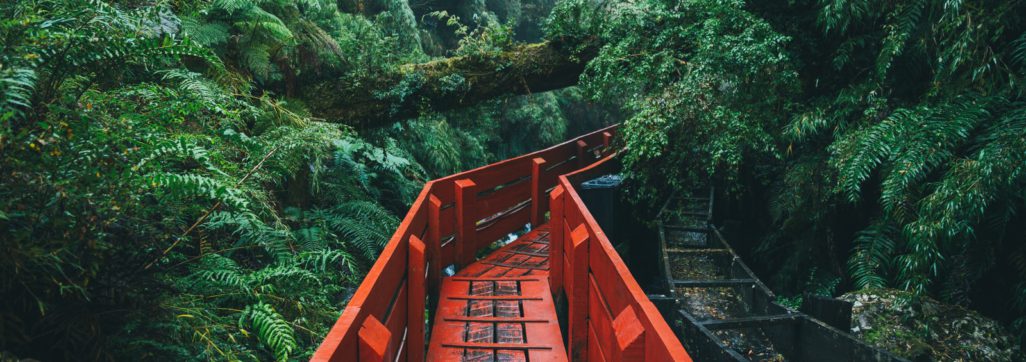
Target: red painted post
374,338
434,243
466,221
556,240
630,336
607,141
416,296
582,151
537,192
577,294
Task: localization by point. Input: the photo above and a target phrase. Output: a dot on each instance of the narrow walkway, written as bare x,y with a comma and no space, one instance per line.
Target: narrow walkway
500,308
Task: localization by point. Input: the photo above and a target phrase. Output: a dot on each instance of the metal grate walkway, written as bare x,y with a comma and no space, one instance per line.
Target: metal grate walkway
500,308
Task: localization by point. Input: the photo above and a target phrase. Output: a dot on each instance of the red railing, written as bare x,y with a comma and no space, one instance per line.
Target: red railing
450,221
610,318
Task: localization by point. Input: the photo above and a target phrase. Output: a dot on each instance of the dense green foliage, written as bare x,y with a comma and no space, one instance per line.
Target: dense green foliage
896,125
166,194
163,195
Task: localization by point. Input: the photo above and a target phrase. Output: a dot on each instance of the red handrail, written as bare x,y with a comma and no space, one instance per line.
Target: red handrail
610,318
451,219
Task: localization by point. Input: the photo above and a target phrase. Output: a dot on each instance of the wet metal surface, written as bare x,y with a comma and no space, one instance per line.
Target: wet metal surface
500,308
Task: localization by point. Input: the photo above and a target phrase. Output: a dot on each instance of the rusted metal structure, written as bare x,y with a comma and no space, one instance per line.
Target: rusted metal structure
723,312
509,304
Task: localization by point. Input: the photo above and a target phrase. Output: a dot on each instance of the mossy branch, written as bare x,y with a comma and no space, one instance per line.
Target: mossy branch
448,83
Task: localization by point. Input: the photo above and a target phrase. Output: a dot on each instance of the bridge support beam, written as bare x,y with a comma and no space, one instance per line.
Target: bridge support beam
577,294
466,222
434,243
556,240
582,152
538,198
374,339
416,296
630,336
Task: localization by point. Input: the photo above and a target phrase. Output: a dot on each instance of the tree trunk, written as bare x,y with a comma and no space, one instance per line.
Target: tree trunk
447,84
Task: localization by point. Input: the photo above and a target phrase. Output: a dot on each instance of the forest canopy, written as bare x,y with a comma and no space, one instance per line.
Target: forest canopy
210,180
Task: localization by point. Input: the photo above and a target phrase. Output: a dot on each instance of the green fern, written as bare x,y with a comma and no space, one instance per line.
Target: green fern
17,86
205,33
271,328
231,6
251,231
364,225
192,185
285,274
323,261
870,260
182,148
221,272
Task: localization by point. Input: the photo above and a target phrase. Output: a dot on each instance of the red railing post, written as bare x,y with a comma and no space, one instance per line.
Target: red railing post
416,296
374,338
556,222
630,336
577,294
537,192
582,151
434,243
466,221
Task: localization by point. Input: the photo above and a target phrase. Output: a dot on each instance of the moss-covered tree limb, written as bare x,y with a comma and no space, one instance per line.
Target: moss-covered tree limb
448,83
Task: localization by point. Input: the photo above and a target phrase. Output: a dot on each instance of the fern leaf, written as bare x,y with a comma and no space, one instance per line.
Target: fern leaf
193,185
17,86
271,328
874,248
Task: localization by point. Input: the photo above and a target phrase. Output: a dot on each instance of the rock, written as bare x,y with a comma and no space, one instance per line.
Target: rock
925,329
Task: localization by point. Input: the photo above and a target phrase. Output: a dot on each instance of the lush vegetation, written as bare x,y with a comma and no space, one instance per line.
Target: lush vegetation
860,143
166,196
169,191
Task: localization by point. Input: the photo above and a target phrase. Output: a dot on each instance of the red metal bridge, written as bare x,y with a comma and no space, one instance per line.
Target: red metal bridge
559,292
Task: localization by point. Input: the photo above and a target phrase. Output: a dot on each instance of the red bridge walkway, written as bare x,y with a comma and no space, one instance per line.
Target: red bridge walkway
559,292
492,308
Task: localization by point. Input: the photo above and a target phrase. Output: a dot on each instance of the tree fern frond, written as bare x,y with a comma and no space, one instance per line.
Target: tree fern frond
220,271
145,50
252,231
310,238
366,239
870,259
205,33
439,147
185,148
231,6
312,34
17,86
264,22
193,185
328,260
271,328
287,274
257,58
370,212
